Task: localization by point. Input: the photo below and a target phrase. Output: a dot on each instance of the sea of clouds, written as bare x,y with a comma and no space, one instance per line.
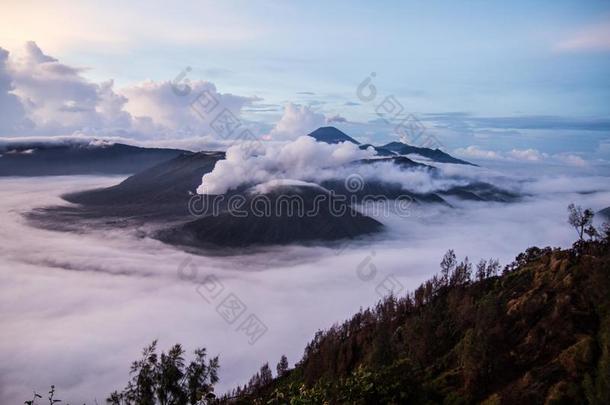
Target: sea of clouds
77,308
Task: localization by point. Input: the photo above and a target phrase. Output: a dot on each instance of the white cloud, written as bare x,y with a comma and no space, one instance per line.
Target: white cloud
301,159
167,108
58,100
521,155
336,119
531,155
40,96
297,120
571,159
475,152
11,110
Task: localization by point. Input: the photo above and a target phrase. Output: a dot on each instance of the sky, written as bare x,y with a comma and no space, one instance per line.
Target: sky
481,76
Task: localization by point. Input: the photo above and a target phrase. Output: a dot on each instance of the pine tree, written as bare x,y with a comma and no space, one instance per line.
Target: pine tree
266,376
282,366
447,266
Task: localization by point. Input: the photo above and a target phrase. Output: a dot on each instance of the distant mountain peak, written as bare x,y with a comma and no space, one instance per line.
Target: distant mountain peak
332,135
435,155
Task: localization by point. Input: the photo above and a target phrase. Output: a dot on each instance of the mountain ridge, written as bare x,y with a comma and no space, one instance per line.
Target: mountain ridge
40,159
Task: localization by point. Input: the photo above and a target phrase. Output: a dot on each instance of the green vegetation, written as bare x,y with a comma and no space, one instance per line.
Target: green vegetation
166,380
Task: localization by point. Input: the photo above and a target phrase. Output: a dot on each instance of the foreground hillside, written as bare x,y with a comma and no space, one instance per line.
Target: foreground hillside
538,333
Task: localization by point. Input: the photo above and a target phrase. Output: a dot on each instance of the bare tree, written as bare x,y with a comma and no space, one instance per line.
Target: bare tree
581,220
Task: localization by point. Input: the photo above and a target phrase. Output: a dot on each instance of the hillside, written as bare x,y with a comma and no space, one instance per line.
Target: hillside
435,155
538,333
40,159
284,223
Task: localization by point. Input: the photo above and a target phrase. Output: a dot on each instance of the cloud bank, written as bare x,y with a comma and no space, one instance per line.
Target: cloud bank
522,155
76,309
40,96
297,120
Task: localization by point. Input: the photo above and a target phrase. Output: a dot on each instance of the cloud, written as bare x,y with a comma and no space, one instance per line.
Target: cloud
309,161
89,301
40,96
336,119
301,159
473,151
522,155
58,100
595,38
296,121
11,110
171,111
531,155
571,159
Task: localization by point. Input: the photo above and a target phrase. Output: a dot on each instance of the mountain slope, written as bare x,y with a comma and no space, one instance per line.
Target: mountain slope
334,135
540,333
167,182
311,219
436,155
161,196
77,158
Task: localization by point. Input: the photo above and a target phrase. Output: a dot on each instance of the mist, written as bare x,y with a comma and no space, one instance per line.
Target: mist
77,308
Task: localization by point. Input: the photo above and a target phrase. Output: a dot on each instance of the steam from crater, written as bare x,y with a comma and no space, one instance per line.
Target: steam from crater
302,159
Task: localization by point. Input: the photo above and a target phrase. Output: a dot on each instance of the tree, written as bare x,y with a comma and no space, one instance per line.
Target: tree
493,267
166,379
606,231
447,265
481,272
201,377
461,274
266,374
581,220
282,366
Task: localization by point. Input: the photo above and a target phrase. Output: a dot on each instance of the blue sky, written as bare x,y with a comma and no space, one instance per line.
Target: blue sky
546,60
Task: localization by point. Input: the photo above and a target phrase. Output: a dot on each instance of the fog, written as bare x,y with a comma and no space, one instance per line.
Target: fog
77,308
